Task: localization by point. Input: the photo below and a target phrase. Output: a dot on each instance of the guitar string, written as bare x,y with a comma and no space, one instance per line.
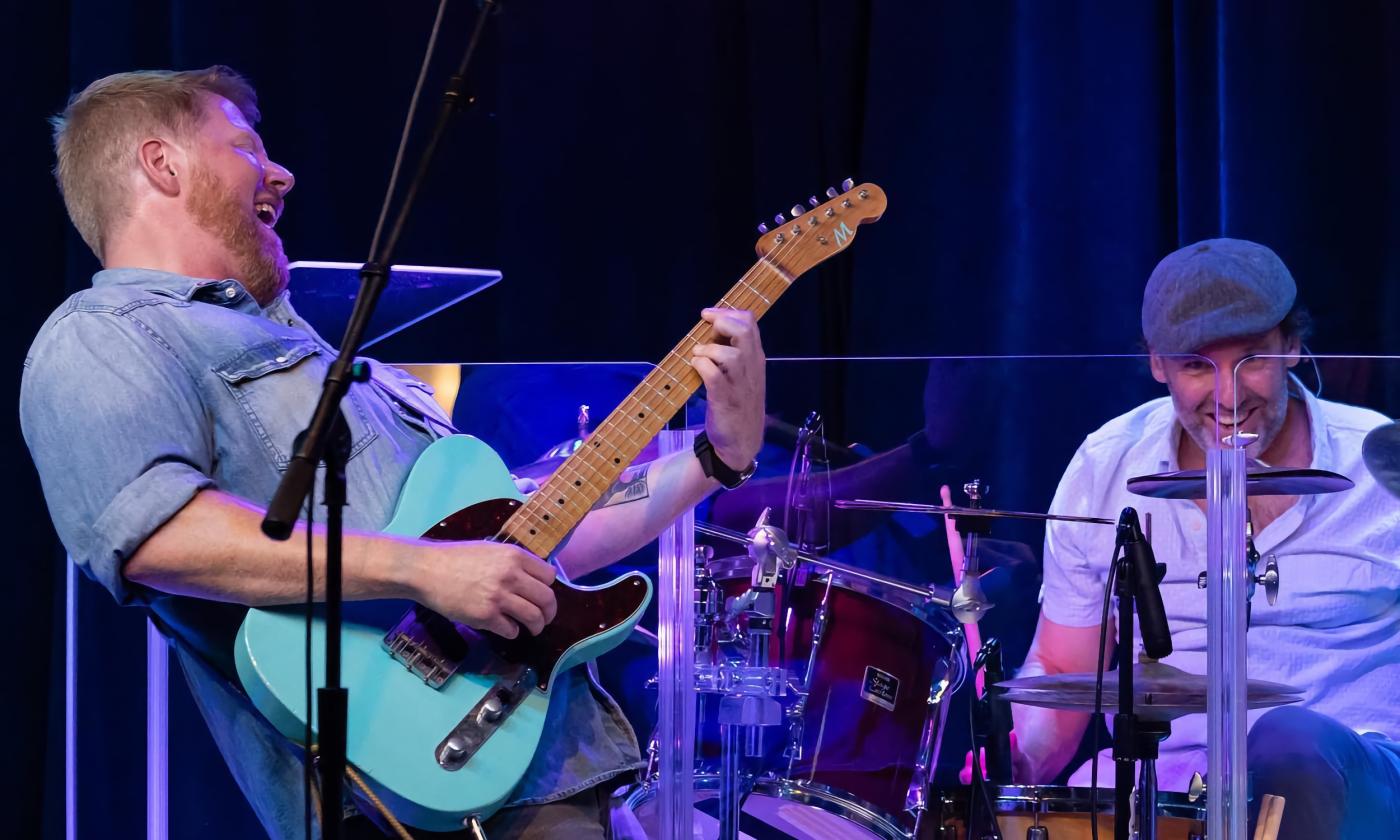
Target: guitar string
746,286
733,299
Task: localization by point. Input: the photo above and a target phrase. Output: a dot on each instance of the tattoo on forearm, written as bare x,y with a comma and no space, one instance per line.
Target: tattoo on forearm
631,486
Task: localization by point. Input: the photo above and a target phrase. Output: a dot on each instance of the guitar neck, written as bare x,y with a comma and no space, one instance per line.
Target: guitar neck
542,522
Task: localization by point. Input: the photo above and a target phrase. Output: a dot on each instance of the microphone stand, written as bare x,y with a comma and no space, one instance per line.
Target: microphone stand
1135,739
326,438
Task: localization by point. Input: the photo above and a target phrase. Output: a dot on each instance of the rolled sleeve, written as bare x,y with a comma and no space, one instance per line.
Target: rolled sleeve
1072,594
119,434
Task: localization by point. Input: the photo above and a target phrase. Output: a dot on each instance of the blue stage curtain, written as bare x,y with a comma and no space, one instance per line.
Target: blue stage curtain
1039,158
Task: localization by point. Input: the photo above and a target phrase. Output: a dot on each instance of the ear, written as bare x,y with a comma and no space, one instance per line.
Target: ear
1292,348
1159,370
163,164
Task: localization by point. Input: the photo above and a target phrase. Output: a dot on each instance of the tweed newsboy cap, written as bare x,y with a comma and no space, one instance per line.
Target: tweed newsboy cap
1214,290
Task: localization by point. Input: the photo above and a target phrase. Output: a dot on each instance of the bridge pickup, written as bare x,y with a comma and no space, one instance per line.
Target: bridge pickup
488,715
429,645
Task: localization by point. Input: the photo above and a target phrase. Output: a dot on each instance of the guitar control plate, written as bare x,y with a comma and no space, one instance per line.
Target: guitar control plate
490,712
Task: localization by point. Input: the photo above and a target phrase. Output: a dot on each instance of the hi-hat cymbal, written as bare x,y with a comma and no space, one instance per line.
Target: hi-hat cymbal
954,510
1160,692
1259,481
1381,452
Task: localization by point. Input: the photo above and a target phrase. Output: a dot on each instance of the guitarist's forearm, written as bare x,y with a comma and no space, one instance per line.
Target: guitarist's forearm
672,484
213,548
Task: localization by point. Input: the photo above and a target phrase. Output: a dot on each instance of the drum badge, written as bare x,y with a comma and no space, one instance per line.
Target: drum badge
880,687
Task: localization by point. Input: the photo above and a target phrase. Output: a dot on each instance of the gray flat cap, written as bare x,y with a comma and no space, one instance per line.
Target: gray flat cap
1214,290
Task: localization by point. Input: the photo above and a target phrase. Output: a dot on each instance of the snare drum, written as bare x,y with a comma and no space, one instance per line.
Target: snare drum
1064,811
871,665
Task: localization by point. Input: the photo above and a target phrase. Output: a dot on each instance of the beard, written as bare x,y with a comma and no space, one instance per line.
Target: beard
259,262
1269,414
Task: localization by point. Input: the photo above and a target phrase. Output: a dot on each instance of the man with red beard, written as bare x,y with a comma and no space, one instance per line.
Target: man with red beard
161,404
1224,330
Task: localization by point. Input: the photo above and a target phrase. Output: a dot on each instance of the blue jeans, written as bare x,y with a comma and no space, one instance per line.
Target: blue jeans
1336,783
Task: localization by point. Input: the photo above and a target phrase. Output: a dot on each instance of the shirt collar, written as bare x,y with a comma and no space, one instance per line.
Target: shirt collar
227,292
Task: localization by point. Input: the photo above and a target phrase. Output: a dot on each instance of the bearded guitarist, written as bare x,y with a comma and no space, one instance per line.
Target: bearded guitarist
161,402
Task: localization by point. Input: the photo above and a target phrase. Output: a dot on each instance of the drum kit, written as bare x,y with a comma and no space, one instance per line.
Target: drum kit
824,692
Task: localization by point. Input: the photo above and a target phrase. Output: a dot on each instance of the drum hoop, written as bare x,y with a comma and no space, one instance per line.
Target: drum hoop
1061,799
823,797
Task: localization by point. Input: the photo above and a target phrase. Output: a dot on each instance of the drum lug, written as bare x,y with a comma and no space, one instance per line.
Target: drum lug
916,799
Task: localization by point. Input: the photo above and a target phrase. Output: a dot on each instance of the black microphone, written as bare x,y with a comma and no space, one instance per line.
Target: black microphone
998,714
1156,636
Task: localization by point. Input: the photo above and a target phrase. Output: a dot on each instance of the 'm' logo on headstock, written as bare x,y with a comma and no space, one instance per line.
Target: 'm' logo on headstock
843,235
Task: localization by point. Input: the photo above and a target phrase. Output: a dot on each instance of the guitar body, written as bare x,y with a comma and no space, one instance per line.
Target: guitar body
458,489
426,725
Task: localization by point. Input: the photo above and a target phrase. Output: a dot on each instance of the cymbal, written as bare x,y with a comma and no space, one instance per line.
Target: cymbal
1381,453
954,510
1259,481
1160,692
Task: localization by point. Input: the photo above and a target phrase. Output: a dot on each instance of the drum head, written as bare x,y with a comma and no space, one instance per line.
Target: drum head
774,811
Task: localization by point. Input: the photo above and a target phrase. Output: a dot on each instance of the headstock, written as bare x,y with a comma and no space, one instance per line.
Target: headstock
809,235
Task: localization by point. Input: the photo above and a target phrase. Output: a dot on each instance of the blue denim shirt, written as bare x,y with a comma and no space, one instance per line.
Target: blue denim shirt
149,387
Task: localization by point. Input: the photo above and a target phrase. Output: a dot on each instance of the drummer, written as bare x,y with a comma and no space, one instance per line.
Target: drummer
1335,630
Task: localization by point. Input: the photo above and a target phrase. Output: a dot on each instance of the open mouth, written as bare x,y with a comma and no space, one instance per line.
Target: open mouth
1231,423
267,214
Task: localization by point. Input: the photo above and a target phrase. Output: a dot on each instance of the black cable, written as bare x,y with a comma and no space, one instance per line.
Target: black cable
310,609
979,781
1096,720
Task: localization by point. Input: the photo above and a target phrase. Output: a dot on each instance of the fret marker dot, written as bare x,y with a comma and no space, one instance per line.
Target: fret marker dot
532,532
578,483
561,501
617,460
546,517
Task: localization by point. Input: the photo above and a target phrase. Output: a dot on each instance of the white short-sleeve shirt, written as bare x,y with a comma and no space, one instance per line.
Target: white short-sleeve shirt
1335,631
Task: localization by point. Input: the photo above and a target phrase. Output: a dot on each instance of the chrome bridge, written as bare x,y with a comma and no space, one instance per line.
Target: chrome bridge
428,645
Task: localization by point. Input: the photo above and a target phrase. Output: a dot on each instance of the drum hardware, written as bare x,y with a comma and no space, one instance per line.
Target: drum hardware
1162,692
1380,451
930,741
1062,813
1269,578
748,705
969,601
1259,481
866,716
966,512
935,597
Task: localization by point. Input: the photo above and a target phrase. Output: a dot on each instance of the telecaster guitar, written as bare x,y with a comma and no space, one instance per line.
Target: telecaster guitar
445,720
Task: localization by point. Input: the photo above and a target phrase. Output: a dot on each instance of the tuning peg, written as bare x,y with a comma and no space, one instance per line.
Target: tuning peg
847,184
831,192
762,227
779,219
813,201
796,210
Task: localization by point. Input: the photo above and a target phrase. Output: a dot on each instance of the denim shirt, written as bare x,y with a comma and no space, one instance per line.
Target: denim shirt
149,387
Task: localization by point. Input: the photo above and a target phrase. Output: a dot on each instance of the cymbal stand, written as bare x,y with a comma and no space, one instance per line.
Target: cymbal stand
749,689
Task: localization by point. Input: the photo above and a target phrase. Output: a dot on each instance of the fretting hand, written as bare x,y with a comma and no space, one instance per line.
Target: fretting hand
732,369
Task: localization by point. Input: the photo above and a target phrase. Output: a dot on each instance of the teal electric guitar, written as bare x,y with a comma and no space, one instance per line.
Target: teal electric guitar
444,720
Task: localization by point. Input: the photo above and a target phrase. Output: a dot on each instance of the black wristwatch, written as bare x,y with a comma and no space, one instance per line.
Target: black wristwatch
728,477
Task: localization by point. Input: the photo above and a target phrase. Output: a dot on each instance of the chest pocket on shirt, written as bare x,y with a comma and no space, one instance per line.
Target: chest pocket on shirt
278,383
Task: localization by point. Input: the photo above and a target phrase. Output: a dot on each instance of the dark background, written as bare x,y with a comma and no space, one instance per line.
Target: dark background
1039,158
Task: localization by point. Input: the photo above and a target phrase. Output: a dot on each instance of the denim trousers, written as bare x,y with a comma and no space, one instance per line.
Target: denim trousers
1335,783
